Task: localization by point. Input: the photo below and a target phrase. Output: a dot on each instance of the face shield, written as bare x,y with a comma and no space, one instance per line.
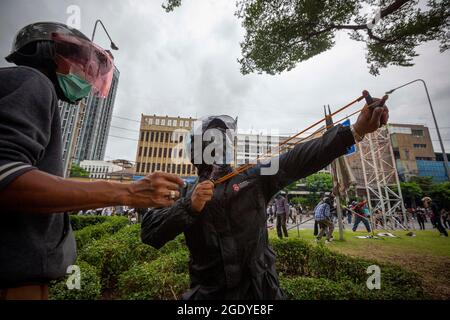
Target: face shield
211,141
82,62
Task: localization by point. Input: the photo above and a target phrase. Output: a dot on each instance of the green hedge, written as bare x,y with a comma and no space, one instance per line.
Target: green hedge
90,287
114,254
297,257
165,278
302,288
97,231
80,222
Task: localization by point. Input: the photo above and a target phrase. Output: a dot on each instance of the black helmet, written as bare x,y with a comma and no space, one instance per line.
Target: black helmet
40,31
227,125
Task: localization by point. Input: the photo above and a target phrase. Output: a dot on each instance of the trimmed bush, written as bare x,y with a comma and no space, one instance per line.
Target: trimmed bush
302,288
162,279
115,254
296,257
90,287
81,222
97,231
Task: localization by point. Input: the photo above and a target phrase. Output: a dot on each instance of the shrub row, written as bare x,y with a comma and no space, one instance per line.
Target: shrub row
296,257
165,278
80,222
90,287
114,254
304,288
97,231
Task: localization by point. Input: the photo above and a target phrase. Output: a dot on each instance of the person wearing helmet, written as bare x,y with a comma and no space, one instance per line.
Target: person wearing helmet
54,62
435,215
225,223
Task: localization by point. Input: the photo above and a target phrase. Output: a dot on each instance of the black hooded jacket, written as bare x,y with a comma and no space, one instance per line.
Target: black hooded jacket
228,241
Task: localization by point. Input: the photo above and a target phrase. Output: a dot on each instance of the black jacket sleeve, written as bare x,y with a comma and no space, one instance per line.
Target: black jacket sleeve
307,158
159,226
26,113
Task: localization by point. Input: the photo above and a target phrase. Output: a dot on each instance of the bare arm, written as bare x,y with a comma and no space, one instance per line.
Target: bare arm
39,193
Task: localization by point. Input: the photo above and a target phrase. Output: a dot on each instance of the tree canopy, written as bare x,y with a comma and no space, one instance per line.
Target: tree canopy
77,171
282,33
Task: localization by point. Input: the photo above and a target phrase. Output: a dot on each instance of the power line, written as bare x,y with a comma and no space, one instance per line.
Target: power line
124,138
124,128
123,118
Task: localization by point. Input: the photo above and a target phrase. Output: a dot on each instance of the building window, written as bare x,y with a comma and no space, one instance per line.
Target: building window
148,167
138,167
166,137
181,138
146,136
181,123
169,122
145,151
424,158
189,170
150,149
155,151
152,138
163,167
165,153
159,152
163,122
417,132
170,152
420,145
153,167
140,151
142,135
157,122
158,167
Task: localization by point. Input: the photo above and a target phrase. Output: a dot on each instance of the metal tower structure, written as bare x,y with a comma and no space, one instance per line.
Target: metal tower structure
380,174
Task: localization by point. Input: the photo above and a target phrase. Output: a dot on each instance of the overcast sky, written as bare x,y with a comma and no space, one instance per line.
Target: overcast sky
184,63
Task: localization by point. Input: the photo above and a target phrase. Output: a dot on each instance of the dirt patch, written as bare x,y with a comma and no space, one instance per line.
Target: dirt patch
433,270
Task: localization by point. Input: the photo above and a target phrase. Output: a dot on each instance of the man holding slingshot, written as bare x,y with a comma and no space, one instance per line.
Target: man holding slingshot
223,216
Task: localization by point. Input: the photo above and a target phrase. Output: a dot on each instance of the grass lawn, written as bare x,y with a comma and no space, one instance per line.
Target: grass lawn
427,253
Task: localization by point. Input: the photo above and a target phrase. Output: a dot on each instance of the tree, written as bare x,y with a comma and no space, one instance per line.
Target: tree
440,193
411,191
282,33
79,172
425,184
316,184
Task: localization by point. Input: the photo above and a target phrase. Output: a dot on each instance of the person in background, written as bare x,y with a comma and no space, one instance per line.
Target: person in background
361,215
282,213
322,215
53,62
435,213
420,216
445,218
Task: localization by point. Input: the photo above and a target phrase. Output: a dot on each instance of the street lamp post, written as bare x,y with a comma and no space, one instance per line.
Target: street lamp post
444,155
113,45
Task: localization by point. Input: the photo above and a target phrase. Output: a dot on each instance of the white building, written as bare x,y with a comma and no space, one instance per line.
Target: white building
250,146
99,169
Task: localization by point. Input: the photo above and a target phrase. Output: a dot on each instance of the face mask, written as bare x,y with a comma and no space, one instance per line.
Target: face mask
73,87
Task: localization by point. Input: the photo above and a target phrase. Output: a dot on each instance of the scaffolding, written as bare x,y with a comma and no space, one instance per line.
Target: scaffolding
380,175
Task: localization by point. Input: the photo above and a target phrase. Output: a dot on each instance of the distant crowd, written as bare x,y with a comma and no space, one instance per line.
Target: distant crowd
282,212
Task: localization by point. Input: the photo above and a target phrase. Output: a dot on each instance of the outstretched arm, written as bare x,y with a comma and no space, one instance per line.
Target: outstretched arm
311,156
162,225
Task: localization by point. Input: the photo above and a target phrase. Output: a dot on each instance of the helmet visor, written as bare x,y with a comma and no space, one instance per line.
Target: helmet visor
84,59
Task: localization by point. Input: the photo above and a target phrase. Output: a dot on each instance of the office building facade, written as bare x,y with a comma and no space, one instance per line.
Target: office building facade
161,146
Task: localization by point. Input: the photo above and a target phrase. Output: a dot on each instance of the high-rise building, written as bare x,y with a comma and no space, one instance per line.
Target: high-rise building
71,119
161,146
96,124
